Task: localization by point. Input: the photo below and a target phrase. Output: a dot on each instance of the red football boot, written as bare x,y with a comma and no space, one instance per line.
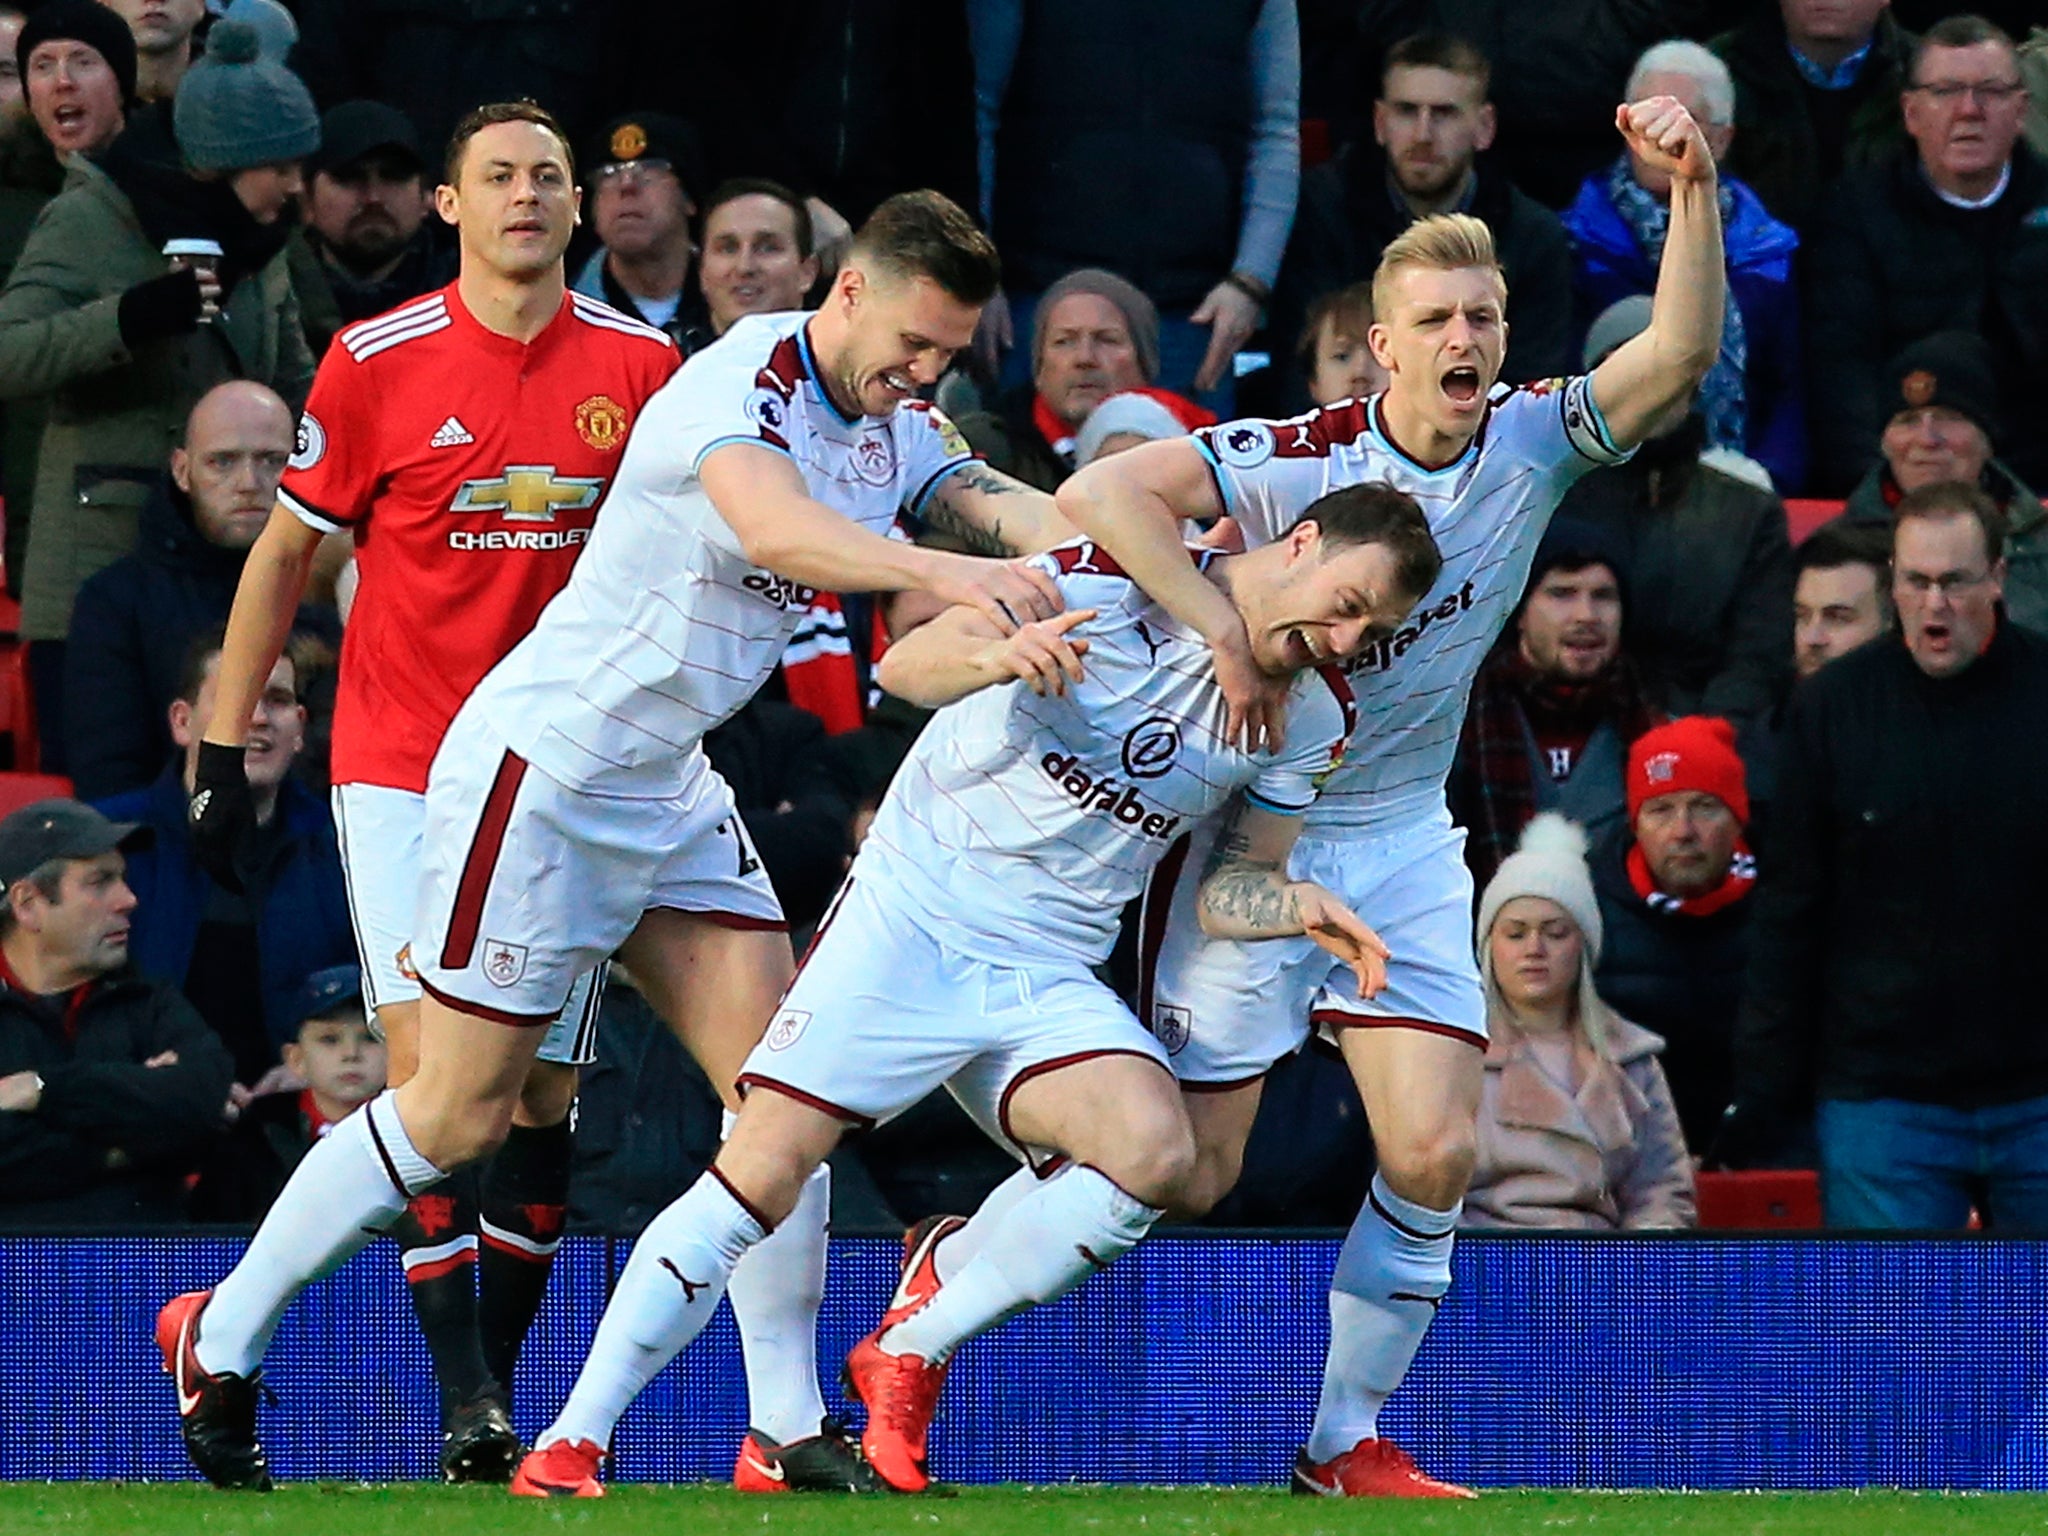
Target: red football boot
1372,1469
565,1470
901,1392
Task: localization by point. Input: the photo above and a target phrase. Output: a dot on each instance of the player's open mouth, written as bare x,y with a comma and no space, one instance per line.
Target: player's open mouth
898,382
1462,385
1309,647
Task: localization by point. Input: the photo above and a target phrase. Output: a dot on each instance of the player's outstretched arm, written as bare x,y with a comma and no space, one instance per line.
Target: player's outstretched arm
991,513
961,652
761,496
1245,894
1647,377
1132,505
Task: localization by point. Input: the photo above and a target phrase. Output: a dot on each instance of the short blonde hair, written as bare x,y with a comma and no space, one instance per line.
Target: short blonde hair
1442,242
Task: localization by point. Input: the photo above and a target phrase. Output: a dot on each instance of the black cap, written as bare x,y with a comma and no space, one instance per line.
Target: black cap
1952,369
648,136
356,128
60,829
324,993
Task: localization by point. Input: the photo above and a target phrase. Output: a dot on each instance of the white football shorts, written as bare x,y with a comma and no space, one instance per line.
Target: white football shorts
882,1012
1225,1010
526,884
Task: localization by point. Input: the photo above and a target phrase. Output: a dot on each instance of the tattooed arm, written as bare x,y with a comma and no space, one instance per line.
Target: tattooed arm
1245,894
988,513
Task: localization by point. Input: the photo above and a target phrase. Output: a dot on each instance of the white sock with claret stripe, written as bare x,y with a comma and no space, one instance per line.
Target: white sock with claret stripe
1392,1272
1063,1232
775,1292
347,1189
669,1291
952,1255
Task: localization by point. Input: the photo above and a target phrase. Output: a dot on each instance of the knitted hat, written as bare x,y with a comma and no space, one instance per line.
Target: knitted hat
1571,544
87,22
1623,320
1951,369
1549,862
277,32
1140,316
1693,753
1130,413
236,109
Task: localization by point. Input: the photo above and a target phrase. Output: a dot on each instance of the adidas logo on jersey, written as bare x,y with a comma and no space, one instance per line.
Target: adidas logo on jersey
450,434
1106,797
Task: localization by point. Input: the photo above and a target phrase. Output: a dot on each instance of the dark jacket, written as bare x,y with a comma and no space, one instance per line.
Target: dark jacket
1122,143
1349,213
1679,974
1010,440
1709,580
331,297
30,175
111,1139
1611,266
1892,263
689,327
302,923
134,621
1899,919
1792,142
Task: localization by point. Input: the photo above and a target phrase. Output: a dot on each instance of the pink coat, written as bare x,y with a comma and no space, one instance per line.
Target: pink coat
1613,1158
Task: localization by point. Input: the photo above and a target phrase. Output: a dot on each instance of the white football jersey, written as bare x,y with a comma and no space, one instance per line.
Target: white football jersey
1019,826
665,629
1488,509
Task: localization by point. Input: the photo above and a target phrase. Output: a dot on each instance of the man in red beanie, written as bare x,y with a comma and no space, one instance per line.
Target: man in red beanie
1672,885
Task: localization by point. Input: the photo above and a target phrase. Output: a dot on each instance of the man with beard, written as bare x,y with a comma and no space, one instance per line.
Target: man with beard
369,246
1432,124
1555,708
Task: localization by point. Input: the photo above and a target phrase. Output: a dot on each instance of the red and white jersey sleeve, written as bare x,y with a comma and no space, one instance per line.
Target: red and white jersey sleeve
470,469
1020,825
666,628
1488,509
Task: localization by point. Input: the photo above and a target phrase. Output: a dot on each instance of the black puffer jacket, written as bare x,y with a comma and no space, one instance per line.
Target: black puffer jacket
1676,974
1897,936
1891,263
112,1138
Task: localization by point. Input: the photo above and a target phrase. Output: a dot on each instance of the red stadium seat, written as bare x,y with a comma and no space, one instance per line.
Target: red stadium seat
1762,1200
19,750
19,789
1802,517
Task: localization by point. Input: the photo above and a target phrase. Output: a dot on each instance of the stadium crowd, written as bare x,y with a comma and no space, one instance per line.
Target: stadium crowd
1786,670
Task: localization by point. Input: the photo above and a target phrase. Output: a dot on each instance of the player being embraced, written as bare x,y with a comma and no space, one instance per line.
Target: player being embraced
960,950
570,812
1488,466
466,441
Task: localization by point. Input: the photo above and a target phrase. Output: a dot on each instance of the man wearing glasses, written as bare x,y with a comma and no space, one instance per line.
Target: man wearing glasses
1950,234
1893,976
638,194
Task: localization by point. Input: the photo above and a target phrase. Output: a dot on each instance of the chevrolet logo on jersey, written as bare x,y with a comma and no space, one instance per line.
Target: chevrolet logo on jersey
529,493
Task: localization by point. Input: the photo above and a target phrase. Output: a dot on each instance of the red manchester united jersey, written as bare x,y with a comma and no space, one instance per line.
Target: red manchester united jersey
470,468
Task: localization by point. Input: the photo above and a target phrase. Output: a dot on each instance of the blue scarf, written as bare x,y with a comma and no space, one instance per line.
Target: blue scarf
1722,401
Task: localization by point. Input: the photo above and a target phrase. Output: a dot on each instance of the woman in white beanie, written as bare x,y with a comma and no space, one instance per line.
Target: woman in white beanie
1576,1124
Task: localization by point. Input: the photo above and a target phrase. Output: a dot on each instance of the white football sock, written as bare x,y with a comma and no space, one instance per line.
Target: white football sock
347,1189
1393,1270
776,1291
669,1291
952,1254
1051,1241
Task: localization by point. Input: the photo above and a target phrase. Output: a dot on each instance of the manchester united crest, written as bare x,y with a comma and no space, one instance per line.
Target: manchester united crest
601,423
629,141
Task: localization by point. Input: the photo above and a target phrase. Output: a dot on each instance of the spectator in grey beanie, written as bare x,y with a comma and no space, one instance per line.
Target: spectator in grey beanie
1141,316
237,111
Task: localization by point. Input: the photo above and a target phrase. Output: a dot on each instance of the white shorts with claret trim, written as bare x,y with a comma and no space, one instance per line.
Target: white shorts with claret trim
526,883
379,829
1226,1010
881,1013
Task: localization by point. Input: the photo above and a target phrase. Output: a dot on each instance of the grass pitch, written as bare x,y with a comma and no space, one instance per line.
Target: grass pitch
329,1509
